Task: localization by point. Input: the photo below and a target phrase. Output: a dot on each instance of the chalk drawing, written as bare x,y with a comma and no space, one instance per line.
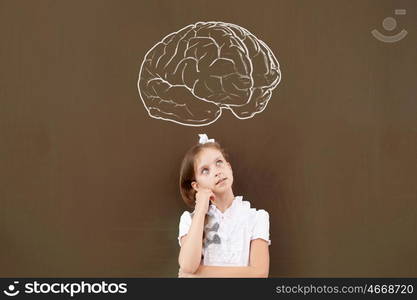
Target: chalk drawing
195,73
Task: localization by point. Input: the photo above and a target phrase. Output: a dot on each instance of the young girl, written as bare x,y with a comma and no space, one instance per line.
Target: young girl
223,236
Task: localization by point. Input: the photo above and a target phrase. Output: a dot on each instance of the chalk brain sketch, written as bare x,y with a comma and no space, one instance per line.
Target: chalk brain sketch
193,74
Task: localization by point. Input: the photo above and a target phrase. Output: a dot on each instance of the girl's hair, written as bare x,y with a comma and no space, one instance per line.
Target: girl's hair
187,175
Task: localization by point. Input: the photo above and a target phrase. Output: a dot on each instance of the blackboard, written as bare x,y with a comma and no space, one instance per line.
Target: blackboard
89,181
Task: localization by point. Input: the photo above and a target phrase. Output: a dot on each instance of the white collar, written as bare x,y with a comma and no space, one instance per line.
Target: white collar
213,210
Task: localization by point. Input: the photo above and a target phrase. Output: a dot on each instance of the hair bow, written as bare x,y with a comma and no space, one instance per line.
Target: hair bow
204,139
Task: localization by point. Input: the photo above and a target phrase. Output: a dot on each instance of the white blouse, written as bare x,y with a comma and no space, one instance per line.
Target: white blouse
228,235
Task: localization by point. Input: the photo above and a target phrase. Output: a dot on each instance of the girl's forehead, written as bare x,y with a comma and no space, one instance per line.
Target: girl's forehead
206,156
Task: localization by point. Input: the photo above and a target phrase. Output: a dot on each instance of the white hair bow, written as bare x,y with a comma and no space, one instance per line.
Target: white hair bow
204,139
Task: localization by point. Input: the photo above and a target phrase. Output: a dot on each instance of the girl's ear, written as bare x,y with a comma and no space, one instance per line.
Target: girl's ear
194,185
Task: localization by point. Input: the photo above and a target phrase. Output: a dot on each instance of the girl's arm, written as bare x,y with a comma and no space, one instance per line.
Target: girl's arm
258,265
191,245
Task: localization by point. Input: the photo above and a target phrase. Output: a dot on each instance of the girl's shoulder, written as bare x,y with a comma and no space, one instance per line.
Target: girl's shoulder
251,212
185,213
186,217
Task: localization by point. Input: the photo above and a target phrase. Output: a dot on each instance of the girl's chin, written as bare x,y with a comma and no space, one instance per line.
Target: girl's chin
222,187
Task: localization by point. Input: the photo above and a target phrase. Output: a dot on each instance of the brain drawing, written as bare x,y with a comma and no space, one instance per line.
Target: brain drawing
193,74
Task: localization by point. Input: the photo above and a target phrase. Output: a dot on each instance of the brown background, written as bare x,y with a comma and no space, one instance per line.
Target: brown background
89,180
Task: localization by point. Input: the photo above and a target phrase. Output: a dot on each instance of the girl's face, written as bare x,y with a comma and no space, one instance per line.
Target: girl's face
212,171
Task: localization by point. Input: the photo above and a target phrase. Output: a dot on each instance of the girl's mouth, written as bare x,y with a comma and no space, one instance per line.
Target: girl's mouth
221,180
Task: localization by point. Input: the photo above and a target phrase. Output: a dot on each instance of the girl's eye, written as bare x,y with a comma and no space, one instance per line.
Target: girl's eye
219,161
204,171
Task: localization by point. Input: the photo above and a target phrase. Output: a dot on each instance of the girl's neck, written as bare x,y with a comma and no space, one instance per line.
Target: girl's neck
224,201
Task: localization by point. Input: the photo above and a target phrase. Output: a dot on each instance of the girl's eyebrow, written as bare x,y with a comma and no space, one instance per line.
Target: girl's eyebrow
206,165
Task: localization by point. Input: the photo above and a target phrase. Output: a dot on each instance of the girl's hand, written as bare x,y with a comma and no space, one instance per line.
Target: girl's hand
202,200
182,274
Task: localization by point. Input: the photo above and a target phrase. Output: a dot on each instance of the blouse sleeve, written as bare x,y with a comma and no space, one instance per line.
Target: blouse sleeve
185,223
261,227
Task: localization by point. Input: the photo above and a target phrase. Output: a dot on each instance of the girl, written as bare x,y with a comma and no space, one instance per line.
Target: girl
223,236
